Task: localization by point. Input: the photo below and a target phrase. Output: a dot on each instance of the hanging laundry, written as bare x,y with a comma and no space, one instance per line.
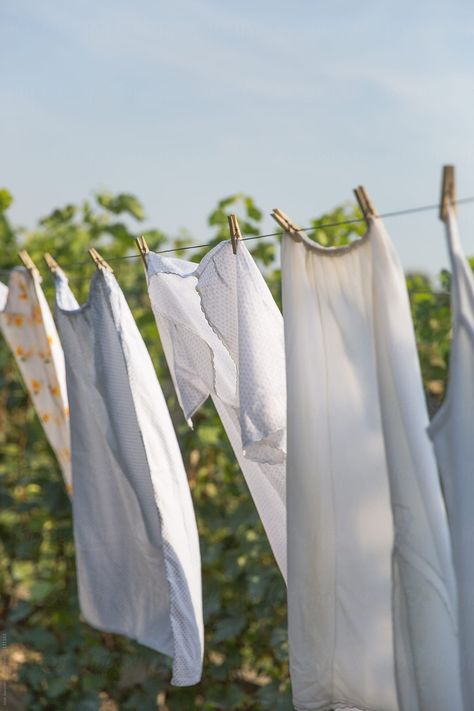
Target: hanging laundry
28,327
222,334
451,431
137,548
371,595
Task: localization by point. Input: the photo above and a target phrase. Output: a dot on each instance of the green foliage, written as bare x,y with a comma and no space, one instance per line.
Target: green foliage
432,320
68,665
118,204
5,199
341,234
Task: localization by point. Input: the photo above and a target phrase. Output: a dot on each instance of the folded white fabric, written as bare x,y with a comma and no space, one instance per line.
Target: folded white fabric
137,548
371,590
28,327
222,334
452,432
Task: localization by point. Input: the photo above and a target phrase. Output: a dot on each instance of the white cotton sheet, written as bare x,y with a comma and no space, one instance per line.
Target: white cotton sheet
452,432
371,591
28,327
137,548
222,334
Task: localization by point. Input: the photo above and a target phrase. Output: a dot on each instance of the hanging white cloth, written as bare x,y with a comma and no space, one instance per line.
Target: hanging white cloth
370,581
451,431
222,334
28,327
137,548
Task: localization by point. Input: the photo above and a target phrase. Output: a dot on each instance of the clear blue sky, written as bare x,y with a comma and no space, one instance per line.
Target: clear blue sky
295,103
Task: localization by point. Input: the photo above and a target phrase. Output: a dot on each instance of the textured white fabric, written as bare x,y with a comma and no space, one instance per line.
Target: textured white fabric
241,310
363,494
222,335
452,432
137,548
28,327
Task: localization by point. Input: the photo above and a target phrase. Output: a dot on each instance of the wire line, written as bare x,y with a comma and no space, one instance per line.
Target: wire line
322,226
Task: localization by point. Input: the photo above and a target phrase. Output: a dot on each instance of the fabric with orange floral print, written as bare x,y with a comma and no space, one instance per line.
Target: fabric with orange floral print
28,327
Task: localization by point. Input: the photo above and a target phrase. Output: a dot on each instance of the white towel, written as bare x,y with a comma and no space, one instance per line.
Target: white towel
222,334
137,548
370,581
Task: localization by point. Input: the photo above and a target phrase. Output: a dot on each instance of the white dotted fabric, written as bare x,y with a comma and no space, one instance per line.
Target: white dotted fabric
28,327
241,310
222,335
371,595
137,548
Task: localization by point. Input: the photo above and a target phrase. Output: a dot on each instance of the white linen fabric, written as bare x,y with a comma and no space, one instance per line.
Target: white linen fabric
137,548
451,431
371,597
222,334
28,327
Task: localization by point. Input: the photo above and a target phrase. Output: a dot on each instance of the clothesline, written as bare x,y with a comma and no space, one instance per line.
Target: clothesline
326,225
124,440
322,226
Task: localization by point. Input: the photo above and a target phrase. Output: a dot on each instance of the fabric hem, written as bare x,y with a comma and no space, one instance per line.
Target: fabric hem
184,681
328,251
332,706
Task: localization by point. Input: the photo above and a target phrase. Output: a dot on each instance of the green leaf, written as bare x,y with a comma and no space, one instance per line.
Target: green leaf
6,199
32,675
209,434
59,216
20,611
228,628
124,202
57,687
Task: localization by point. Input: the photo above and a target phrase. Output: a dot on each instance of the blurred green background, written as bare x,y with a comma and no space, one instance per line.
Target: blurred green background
52,659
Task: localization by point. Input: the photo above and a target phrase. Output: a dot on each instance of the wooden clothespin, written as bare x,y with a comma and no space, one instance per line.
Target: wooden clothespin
99,261
365,203
285,222
448,192
51,262
142,248
235,233
27,261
